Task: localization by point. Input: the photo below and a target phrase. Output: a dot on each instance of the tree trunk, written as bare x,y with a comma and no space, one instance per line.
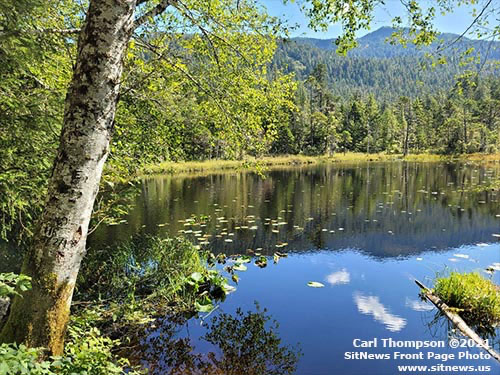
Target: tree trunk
39,319
406,148
465,127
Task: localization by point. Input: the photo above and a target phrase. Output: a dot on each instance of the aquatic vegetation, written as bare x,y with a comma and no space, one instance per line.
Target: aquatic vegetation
476,298
221,165
127,287
261,262
315,284
142,266
210,166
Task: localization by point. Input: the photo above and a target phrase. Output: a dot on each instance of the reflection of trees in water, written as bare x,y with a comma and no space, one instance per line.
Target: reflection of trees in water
414,201
243,343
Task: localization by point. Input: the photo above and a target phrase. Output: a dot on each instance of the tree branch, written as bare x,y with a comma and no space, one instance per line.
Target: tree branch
183,71
189,15
466,30
158,9
42,31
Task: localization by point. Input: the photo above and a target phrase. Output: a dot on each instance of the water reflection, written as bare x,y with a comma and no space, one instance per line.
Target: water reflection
364,229
418,305
386,209
239,343
339,277
370,305
443,329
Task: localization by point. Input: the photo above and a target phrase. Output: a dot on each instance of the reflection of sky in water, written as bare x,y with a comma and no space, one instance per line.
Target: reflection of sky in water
370,305
339,277
419,305
363,298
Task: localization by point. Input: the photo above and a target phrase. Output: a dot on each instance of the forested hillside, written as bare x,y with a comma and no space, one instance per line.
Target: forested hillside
385,70
462,120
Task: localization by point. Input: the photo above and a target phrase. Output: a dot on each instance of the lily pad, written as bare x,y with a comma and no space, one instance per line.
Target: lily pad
243,259
229,288
203,308
240,267
315,284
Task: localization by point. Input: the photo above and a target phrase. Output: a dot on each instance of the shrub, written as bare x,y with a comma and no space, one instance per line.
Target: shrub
141,266
86,353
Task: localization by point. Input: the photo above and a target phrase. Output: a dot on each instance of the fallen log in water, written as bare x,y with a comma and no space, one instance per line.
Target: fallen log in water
457,320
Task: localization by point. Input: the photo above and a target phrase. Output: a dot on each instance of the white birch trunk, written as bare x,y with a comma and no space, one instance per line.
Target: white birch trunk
39,319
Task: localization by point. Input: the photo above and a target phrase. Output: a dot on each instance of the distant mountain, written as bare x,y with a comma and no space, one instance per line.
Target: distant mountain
377,67
375,44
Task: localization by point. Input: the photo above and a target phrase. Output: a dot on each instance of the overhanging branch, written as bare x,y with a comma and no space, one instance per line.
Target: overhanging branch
158,9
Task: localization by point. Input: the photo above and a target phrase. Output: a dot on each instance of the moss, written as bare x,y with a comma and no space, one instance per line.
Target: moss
58,317
31,321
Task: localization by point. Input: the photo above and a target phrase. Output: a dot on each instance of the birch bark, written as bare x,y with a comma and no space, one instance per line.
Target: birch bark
39,319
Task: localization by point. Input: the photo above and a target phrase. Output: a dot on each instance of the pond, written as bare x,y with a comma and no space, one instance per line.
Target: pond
364,231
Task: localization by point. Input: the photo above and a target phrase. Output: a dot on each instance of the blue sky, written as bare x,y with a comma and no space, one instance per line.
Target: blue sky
455,22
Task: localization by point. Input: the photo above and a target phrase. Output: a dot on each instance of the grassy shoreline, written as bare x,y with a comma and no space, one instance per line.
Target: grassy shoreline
296,160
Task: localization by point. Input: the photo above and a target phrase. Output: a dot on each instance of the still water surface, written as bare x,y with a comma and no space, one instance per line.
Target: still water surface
365,231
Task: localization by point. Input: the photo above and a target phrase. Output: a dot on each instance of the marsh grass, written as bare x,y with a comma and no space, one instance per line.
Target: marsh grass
223,165
269,162
476,298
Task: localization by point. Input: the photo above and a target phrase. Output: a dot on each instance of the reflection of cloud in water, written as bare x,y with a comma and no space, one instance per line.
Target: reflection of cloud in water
370,305
339,277
418,305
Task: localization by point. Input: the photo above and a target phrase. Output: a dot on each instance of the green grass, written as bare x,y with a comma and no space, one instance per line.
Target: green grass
222,165
269,162
476,298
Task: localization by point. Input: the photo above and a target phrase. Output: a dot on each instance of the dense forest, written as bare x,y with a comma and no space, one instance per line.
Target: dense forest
387,70
462,120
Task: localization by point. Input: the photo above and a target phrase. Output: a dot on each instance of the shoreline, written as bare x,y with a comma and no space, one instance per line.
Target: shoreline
270,162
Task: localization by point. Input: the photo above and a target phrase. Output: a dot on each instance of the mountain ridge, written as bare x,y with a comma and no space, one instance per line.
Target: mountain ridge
374,44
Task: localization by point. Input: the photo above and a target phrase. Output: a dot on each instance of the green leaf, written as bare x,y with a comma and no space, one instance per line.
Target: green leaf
203,308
